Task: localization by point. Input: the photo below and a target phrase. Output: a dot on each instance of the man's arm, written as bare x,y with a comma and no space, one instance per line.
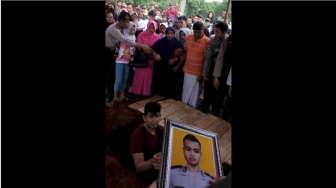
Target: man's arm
200,77
140,164
156,56
219,64
181,61
109,43
121,38
207,61
219,60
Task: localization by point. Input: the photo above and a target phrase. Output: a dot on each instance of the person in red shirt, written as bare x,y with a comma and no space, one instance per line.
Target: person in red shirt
146,144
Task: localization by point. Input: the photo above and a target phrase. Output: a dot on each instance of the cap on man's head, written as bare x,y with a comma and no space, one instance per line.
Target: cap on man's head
198,26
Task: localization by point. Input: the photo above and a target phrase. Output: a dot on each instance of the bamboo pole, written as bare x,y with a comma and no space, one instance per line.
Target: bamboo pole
228,8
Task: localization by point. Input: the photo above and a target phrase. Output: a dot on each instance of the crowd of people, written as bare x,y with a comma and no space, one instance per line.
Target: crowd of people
150,51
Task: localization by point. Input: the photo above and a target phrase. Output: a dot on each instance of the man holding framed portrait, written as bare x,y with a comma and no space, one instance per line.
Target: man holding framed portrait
145,145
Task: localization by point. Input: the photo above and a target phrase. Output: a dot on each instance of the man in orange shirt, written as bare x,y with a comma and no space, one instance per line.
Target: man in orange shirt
196,48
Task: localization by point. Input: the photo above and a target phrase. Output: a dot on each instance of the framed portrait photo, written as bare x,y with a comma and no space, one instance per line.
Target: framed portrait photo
190,157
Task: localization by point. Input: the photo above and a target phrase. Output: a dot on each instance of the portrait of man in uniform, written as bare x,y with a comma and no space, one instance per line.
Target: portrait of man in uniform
190,176
191,157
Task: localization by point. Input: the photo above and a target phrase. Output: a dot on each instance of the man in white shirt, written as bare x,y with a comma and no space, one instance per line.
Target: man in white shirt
113,34
143,21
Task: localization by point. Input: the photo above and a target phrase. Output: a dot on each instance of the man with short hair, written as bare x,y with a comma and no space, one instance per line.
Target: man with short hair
146,144
212,96
190,176
221,17
222,76
197,18
130,8
196,48
189,22
114,35
207,27
182,25
109,62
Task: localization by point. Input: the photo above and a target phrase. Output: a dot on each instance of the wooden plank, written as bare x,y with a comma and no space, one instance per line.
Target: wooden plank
168,109
142,103
225,147
177,106
191,116
164,105
205,122
219,127
172,112
181,109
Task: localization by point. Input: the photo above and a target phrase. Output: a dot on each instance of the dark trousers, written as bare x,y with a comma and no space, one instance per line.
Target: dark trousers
166,82
213,97
173,85
227,109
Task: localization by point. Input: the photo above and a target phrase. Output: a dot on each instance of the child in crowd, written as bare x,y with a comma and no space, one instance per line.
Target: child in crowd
125,54
163,27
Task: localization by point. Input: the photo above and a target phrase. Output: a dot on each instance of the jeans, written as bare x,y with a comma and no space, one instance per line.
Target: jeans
121,72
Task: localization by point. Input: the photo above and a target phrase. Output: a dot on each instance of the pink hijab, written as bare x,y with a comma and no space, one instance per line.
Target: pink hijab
152,22
147,37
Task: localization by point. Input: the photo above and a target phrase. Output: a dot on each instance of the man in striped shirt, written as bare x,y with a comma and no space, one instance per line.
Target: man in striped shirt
196,48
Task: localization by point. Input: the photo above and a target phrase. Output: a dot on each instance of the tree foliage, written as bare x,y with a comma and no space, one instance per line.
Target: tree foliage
193,7
200,7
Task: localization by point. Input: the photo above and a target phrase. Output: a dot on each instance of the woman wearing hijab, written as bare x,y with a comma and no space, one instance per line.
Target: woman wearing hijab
142,80
184,32
167,73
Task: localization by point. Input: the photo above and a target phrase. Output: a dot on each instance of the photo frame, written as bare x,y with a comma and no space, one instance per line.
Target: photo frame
190,157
